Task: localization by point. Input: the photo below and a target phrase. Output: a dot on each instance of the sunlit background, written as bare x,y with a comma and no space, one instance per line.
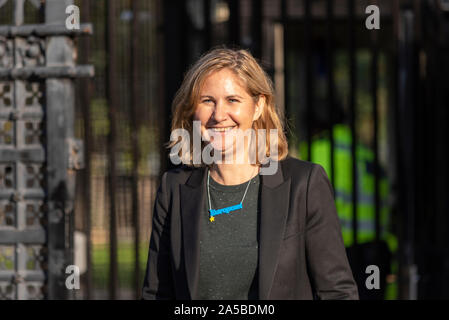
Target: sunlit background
369,105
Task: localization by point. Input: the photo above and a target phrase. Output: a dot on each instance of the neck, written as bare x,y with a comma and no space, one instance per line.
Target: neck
233,174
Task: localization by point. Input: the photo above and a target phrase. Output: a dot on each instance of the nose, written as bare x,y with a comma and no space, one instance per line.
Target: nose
220,112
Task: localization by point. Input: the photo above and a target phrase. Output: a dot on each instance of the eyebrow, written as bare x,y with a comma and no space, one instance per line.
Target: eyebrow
231,96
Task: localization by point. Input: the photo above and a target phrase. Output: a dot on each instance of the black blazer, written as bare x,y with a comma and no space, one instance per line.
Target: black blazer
301,251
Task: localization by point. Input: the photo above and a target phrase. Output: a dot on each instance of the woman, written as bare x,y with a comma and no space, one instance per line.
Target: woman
227,229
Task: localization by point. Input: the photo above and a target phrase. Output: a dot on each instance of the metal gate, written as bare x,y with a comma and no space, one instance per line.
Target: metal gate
38,152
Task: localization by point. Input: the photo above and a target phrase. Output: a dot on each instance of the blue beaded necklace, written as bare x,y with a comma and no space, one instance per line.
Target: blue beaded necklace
215,212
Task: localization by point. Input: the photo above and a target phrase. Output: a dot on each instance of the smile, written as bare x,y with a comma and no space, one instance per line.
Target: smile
222,129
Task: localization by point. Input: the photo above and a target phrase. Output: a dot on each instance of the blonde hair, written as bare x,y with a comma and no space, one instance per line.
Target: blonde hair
257,82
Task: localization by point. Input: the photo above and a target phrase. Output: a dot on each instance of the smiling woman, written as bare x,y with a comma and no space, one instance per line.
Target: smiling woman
227,89
225,106
230,230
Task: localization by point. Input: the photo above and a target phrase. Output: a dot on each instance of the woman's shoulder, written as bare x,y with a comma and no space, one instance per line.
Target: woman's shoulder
291,164
298,169
179,174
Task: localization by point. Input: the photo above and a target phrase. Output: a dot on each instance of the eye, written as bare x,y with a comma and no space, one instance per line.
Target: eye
233,100
207,100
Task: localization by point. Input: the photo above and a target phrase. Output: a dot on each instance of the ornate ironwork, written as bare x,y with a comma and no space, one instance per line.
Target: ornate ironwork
37,150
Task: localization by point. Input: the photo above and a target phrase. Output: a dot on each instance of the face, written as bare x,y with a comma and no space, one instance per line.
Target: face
224,107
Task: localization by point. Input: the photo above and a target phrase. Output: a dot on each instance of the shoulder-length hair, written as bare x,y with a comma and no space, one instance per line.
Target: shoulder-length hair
257,82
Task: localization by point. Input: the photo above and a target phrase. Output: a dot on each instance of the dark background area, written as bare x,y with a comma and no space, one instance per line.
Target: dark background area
388,86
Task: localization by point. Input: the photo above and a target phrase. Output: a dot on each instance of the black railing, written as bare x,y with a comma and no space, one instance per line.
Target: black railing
401,90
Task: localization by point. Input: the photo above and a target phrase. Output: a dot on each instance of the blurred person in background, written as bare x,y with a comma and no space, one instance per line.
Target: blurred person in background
367,251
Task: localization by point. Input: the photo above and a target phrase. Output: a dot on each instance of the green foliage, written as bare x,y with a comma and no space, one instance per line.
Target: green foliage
99,116
125,258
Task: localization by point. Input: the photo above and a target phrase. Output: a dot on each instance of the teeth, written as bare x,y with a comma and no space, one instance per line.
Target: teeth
221,129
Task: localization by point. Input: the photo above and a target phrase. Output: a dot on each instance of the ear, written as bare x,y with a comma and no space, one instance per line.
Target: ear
260,105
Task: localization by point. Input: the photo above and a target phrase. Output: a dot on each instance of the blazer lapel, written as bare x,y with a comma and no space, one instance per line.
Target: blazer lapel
274,202
274,199
192,198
